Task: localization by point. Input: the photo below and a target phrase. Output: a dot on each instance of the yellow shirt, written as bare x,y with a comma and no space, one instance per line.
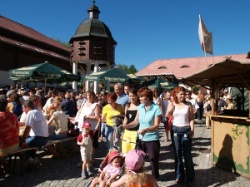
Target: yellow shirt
111,112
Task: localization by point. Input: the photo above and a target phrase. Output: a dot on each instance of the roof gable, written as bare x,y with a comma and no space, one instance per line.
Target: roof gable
183,67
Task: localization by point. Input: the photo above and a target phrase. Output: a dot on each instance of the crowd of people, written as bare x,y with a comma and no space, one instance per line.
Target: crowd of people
131,117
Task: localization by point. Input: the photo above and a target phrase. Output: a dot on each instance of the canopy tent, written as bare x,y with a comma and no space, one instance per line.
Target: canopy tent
160,84
135,80
42,72
228,72
112,75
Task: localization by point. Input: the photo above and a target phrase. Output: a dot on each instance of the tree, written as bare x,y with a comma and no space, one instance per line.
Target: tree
67,44
130,70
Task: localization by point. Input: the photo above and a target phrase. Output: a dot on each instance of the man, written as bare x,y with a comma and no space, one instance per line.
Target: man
68,106
126,89
36,130
200,102
192,101
122,98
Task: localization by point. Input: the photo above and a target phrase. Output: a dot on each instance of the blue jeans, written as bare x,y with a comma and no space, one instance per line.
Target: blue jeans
182,142
103,127
35,141
109,134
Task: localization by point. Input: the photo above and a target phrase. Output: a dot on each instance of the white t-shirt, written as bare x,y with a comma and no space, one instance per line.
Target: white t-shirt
87,111
194,103
37,122
61,121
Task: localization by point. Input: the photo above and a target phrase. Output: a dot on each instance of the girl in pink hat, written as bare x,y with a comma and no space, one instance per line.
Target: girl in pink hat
109,172
135,174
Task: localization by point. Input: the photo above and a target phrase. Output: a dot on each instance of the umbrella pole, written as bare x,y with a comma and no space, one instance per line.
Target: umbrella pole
45,86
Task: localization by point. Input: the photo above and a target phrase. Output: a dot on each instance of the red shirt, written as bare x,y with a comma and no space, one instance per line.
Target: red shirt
79,138
9,130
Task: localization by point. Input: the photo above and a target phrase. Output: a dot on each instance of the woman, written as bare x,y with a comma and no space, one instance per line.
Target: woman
58,128
58,121
156,99
130,133
109,114
9,133
90,112
183,132
149,118
230,105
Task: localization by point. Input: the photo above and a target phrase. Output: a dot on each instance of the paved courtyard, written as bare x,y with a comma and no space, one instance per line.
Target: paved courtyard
63,171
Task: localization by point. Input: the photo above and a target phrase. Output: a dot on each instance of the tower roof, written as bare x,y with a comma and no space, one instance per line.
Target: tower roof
92,26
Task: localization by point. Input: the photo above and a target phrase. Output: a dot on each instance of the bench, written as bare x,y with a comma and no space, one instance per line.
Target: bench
21,153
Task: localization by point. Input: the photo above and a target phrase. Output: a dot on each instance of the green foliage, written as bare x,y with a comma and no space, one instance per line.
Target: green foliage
195,89
130,70
67,44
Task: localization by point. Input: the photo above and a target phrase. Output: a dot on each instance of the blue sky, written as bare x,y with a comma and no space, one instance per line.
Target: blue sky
145,30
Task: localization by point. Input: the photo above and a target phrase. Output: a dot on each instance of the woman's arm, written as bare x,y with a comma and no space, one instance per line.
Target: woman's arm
153,181
51,120
170,110
119,182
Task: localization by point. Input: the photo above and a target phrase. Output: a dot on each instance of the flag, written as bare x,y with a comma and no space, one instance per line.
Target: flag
206,38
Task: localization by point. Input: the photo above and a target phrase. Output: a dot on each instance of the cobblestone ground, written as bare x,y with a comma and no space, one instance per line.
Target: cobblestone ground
63,171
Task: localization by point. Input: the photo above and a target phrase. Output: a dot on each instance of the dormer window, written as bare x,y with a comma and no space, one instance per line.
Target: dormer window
162,67
185,66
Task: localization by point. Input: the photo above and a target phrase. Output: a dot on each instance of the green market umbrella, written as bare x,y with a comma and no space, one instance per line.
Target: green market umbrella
112,75
160,84
42,72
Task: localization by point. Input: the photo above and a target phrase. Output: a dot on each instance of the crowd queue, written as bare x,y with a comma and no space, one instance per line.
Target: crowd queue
127,117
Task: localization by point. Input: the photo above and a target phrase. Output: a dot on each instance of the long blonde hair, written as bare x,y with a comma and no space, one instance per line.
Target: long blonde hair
140,178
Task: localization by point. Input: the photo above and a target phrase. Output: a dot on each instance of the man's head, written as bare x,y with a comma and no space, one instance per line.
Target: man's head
28,105
118,89
126,89
188,94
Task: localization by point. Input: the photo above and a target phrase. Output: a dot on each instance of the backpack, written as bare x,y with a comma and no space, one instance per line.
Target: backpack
17,108
209,107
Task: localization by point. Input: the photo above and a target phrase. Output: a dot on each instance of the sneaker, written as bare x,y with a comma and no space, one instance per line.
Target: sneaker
84,176
90,174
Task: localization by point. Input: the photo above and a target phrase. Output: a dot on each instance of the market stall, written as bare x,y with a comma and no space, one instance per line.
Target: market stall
231,129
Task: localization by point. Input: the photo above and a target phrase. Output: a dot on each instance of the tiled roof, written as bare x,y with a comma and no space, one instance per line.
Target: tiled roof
22,30
183,67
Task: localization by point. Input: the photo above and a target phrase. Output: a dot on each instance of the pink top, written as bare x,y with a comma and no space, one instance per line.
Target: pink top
110,171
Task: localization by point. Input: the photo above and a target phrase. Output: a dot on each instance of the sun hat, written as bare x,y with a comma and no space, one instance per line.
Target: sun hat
112,155
86,125
134,159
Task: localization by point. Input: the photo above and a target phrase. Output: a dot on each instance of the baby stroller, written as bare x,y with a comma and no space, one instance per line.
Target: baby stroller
105,162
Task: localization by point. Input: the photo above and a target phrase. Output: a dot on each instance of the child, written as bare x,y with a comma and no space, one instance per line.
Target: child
135,176
110,172
85,141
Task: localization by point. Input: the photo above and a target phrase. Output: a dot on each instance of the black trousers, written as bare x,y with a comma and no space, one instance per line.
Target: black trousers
152,148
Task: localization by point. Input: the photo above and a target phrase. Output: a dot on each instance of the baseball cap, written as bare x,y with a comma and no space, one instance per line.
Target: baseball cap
86,125
113,154
134,159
